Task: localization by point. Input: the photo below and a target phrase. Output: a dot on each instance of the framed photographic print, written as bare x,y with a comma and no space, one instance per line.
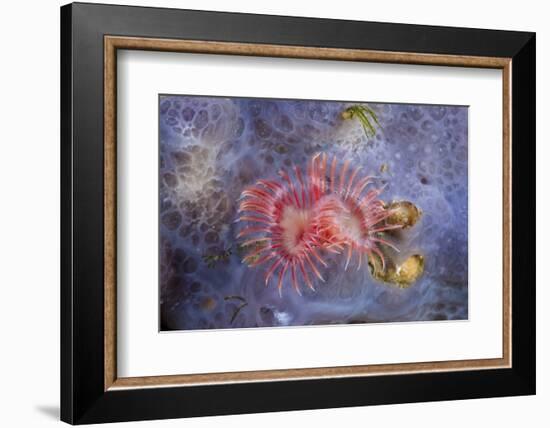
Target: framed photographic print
274,213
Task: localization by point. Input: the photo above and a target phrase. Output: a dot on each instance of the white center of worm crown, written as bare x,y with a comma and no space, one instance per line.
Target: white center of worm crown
351,227
294,223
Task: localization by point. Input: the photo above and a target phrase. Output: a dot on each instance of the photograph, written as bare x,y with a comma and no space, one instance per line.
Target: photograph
293,212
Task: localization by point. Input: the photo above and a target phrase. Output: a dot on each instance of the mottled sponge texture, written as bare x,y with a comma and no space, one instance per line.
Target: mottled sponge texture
213,148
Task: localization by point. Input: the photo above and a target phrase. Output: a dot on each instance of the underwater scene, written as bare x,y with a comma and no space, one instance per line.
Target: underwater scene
276,212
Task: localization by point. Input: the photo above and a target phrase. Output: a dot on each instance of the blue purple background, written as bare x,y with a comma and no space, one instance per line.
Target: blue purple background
212,148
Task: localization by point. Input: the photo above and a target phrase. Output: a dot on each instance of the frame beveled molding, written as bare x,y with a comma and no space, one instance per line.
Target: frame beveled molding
114,43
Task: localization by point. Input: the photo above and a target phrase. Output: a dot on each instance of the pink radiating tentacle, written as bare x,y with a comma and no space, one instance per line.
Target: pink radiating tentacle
335,248
257,208
379,254
286,177
320,175
255,240
383,241
348,258
257,192
255,204
324,172
293,277
313,267
272,270
305,275
386,228
255,219
332,174
271,185
257,252
373,194
281,275
261,260
316,255
360,186
298,173
373,219
311,181
353,175
249,230
259,249
343,176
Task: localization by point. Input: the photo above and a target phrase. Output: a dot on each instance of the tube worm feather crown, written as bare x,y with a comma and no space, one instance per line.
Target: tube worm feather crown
292,222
